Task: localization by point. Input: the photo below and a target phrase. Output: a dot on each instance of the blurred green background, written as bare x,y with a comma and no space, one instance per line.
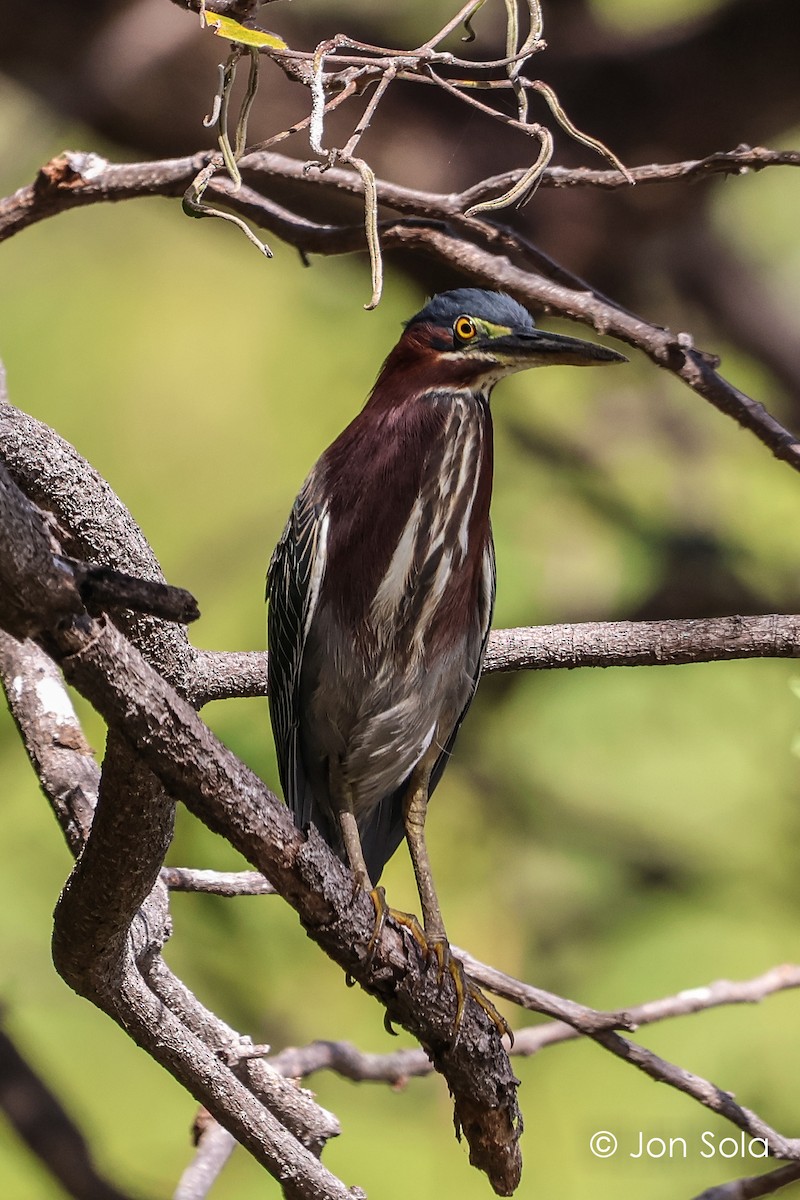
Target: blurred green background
611,835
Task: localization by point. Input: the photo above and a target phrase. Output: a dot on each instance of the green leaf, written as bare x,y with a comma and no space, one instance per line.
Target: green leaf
226,27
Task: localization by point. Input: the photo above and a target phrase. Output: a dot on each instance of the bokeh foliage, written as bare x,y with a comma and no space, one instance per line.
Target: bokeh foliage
613,835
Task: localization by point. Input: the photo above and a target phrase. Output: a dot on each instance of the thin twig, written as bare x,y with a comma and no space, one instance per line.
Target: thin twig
396,1067
217,883
73,180
214,1147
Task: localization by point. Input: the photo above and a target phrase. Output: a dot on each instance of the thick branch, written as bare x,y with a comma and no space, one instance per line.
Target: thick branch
94,949
55,743
214,785
142,709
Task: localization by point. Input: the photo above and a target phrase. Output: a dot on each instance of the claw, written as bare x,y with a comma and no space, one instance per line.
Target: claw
378,898
464,986
382,913
497,1018
438,947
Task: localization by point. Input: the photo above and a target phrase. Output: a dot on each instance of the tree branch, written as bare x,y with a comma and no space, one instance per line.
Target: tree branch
753,1185
40,705
216,883
396,1068
214,1147
103,589
644,643
223,674
91,937
77,179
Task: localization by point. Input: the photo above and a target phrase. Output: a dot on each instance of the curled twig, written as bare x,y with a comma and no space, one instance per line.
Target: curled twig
384,65
193,204
525,186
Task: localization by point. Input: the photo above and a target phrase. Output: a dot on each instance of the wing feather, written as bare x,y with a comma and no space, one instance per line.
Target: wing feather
294,579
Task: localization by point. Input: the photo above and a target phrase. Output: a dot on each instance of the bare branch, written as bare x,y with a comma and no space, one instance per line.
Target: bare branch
217,883
214,1147
75,179
294,1107
112,979
174,1042
490,255
103,589
222,674
396,1068
676,353
52,736
693,1000
644,643
198,770
347,1060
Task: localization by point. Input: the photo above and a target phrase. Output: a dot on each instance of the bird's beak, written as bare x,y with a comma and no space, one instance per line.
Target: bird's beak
540,348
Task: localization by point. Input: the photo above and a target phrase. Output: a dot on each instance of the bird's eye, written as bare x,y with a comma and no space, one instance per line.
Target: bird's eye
465,329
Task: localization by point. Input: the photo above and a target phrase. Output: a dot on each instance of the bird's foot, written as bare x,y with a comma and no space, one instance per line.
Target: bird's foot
382,912
436,946
447,961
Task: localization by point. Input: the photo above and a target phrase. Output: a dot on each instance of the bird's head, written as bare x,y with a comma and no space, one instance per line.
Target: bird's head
469,337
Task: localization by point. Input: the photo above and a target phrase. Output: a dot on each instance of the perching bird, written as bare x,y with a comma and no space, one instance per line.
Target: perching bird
382,586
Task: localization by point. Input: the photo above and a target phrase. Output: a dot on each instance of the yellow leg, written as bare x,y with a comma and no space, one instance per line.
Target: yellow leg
414,814
343,801
341,793
432,939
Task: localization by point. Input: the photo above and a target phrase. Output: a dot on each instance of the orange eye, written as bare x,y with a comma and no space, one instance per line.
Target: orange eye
465,329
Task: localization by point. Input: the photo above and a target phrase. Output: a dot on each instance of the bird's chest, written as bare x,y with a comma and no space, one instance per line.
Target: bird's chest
412,552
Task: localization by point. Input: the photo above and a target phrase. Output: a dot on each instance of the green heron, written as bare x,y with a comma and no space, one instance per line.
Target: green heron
381,592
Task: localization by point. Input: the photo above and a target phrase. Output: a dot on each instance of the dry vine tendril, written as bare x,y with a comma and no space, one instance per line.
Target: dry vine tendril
341,68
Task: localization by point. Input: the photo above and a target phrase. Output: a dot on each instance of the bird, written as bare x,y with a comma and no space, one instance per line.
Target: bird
381,590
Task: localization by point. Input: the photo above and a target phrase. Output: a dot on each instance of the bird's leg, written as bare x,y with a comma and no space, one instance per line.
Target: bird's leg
415,809
341,793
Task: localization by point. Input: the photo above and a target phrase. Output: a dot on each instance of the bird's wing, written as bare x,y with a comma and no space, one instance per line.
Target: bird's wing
488,591
294,578
386,829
